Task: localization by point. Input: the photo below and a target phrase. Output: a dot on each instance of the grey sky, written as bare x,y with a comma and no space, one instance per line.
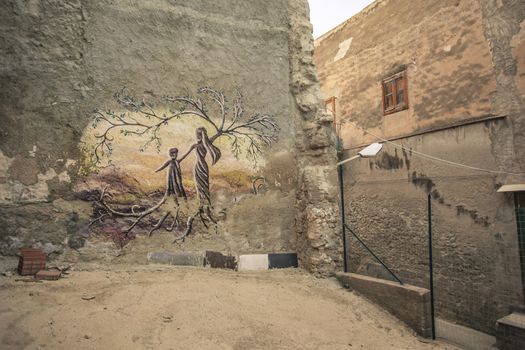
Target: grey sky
327,14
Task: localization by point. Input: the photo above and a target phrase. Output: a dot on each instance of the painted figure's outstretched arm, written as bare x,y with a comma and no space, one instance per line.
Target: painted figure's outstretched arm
163,166
186,154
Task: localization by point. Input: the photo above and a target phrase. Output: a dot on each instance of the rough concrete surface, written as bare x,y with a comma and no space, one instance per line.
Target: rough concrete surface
188,308
62,61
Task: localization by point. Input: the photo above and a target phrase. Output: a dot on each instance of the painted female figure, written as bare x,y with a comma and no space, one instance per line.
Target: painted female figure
201,172
174,176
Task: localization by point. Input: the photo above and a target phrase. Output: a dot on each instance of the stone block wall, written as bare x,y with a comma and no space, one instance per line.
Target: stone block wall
475,245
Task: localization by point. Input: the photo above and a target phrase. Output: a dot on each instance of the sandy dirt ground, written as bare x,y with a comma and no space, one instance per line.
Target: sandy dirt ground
156,307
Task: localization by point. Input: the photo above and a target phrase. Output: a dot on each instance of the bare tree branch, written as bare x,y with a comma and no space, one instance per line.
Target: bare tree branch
256,132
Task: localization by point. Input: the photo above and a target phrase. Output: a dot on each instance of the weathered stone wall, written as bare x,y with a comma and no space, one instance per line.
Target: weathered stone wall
464,62
62,60
442,47
318,239
504,31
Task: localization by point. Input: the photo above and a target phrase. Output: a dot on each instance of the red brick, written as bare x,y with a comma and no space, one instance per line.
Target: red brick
31,261
47,275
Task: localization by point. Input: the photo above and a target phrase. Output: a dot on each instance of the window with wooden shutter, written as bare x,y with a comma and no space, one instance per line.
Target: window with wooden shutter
395,93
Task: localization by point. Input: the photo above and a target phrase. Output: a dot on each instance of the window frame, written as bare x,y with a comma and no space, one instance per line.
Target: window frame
330,102
396,107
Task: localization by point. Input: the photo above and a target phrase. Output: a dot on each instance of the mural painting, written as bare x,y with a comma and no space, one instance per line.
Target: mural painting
204,126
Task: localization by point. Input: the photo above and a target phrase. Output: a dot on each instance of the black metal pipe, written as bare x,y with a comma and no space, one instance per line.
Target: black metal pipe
431,267
375,256
342,212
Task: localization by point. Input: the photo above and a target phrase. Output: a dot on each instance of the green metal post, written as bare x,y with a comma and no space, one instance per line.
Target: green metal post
342,210
431,267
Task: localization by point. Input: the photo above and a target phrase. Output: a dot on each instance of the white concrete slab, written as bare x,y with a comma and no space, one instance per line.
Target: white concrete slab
253,262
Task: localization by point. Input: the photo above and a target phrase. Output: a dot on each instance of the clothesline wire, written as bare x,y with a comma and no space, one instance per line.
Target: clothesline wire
424,155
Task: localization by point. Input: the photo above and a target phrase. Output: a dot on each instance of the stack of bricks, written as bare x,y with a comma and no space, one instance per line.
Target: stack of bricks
31,261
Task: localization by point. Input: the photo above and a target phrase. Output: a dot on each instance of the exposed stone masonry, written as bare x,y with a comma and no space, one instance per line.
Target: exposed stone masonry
318,240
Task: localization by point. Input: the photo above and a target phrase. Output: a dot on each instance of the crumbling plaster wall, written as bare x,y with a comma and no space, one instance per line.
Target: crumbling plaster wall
60,60
464,63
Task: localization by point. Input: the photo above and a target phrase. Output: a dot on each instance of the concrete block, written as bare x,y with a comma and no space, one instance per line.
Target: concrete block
408,303
220,261
253,262
282,260
345,279
467,338
510,332
176,258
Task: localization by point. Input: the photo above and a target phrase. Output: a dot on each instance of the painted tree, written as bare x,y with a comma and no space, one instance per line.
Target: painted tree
247,134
